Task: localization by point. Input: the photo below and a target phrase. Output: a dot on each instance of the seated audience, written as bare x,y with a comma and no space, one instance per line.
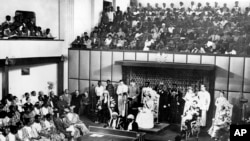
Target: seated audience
115,121
166,26
105,111
47,33
72,119
40,121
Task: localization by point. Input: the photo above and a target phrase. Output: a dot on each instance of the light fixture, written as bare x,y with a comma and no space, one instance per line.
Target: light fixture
62,58
7,61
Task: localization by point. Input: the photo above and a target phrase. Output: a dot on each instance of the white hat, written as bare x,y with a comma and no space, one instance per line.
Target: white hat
114,114
105,91
67,110
130,116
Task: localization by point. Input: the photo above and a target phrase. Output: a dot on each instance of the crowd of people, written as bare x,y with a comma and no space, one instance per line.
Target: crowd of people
121,107
149,105
194,29
143,107
41,117
22,27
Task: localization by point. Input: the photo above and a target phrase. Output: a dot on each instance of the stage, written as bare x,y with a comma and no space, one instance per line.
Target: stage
157,128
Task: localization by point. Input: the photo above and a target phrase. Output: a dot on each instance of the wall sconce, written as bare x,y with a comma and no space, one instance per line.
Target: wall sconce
62,58
7,61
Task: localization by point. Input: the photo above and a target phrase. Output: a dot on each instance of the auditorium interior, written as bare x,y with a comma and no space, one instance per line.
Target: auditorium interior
123,70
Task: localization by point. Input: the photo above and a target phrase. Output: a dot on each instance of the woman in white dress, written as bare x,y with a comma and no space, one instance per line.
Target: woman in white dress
145,117
220,101
189,97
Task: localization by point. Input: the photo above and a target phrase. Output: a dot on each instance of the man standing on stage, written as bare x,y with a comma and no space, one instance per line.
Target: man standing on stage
176,104
110,88
122,90
164,103
99,89
144,90
133,93
204,103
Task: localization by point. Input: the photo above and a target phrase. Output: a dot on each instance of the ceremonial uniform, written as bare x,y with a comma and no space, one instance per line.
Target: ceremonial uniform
204,104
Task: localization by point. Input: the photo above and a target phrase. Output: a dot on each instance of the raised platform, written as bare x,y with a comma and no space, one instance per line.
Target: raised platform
157,128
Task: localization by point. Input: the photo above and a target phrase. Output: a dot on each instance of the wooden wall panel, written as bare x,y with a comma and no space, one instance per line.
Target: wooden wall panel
84,64
129,56
95,65
206,59
152,56
247,75
194,59
236,73
73,85
117,69
221,74
180,58
106,64
170,58
247,96
140,56
234,98
73,63
84,86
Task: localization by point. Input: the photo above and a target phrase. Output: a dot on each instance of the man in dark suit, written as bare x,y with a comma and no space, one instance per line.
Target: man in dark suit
131,124
67,97
95,40
76,101
61,104
60,125
164,105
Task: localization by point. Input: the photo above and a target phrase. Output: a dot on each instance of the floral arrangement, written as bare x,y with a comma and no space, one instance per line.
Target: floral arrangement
112,102
50,85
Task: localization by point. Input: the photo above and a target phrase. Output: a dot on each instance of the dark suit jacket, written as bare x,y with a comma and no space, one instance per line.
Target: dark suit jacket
134,126
61,127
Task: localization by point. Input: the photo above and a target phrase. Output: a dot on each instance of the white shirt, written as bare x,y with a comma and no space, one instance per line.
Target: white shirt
47,125
147,44
33,99
20,134
114,123
99,90
122,89
37,111
111,16
36,127
130,126
108,41
171,29
11,137
2,137
44,111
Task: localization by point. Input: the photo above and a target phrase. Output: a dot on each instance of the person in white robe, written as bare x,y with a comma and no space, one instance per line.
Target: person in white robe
188,99
122,90
204,103
145,117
